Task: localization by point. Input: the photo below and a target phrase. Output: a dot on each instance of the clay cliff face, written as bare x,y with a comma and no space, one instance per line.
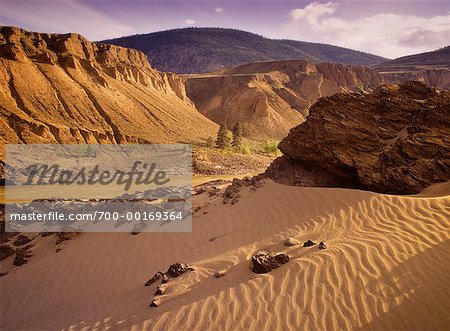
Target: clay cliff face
431,68
269,98
65,89
395,140
439,78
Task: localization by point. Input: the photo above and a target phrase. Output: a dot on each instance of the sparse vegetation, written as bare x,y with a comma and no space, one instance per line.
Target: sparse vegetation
243,149
210,142
271,147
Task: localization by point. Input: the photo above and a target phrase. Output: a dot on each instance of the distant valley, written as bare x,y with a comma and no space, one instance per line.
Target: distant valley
269,98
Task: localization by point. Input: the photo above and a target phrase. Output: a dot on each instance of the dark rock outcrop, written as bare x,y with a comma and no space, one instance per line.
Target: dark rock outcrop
4,236
265,261
394,140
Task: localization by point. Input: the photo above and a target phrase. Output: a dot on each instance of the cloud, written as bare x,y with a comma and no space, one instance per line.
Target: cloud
389,35
62,17
313,11
218,10
189,22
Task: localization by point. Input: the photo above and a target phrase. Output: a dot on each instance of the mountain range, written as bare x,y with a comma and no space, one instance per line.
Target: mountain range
199,50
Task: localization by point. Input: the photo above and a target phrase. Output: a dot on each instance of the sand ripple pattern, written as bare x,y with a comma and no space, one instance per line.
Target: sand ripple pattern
386,267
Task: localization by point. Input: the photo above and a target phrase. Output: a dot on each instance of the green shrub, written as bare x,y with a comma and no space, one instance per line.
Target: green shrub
243,149
271,147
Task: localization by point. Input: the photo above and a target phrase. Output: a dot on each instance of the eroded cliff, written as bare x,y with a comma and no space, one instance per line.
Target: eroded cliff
64,89
269,98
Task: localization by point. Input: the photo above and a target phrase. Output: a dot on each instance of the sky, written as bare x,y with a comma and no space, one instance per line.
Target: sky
387,28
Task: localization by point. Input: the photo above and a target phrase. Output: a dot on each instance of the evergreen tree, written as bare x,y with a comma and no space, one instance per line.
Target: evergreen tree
223,140
237,135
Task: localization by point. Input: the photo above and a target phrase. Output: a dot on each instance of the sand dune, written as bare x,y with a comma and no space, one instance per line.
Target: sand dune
386,267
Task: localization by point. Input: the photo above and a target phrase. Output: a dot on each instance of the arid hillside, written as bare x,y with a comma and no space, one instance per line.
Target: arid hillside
394,140
269,98
65,89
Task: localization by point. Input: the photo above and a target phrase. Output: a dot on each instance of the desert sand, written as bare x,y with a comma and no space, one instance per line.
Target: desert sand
386,267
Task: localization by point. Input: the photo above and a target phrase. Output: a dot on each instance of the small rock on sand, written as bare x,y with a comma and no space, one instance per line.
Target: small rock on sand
219,274
164,279
309,243
291,242
155,303
160,290
322,245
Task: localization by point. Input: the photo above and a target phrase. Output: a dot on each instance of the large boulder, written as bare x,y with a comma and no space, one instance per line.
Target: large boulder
394,140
